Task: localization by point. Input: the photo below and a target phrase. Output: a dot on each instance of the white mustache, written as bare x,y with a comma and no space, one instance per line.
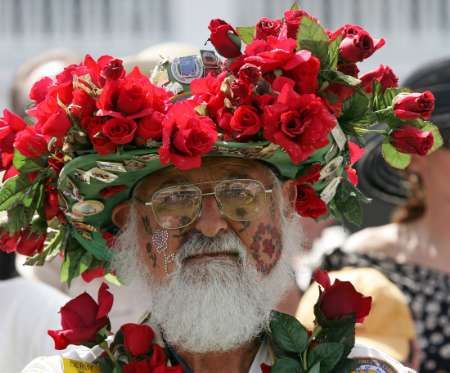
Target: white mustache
198,244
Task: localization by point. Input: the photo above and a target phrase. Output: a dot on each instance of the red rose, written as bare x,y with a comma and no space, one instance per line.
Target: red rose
113,70
414,105
207,90
56,125
267,27
30,243
186,136
102,145
8,244
293,19
341,299
150,127
304,69
119,130
245,122
83,104
382,74
158,356
137,338
308,203
92,273
224,38
10,125
40,88
82,318
30,144
133,96
298,123
357,44
412,140
131,99
249,73
270,54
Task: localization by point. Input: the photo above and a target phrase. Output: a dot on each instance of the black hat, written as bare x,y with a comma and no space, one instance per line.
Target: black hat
381,181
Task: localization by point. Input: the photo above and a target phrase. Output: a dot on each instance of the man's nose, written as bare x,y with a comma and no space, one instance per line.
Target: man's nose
211,221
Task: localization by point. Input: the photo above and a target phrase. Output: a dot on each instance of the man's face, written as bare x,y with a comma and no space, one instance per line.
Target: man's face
260,235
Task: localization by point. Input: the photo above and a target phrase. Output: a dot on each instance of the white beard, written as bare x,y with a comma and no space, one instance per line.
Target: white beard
216,305
213,305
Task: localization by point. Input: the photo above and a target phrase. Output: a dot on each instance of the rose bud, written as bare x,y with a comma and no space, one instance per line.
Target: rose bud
119,130
82,318
409,106
56,125
357,44
382,74
113,70
341,299
30,144
412,140
267,27
224,38
293,17
92,273
39,89
30,243
137,338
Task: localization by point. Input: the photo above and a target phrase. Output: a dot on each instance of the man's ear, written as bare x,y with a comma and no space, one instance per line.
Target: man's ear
289,191
120,214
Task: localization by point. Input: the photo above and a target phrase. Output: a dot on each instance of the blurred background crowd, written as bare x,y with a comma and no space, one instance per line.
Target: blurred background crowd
405,234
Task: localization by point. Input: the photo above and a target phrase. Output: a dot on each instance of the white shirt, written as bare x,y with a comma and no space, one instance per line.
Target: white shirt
27,310
54,364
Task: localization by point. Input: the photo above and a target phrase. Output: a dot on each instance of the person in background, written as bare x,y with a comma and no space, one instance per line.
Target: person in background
413,251
45,64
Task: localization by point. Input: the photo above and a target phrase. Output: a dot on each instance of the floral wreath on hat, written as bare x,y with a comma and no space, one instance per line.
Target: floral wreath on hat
292,97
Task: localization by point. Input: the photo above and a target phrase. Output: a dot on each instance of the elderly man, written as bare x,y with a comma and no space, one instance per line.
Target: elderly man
209,277
189,188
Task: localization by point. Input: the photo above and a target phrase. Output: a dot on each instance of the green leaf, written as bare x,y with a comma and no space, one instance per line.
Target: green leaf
73,261
393,157
313,37
50,251
347,201
315,368
295,6
24,164
336,76
354,108
438,141
286,365
328,354
13,191
246,33
333,53
287,333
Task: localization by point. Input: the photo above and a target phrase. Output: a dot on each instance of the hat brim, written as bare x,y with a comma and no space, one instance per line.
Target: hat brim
84,179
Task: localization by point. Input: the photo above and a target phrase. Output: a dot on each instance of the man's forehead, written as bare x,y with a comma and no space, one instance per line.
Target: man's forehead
212,169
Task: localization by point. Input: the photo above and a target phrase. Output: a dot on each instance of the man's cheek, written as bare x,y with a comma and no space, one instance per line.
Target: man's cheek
265,247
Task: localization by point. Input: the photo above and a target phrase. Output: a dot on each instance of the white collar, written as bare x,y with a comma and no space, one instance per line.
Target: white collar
263,356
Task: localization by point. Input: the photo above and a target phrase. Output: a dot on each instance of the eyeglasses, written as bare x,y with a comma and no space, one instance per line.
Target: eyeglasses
177,206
